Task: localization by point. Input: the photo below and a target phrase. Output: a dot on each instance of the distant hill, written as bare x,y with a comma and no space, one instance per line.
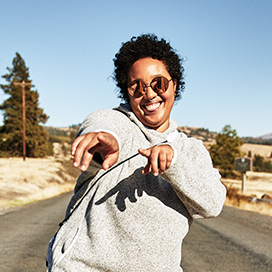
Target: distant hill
260,141
209,137
200,133
62,134
267,136
203,134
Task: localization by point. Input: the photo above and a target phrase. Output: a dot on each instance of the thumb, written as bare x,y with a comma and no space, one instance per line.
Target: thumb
144,152
108,143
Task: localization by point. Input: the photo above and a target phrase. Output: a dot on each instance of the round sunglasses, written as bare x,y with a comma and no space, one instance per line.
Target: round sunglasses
158,84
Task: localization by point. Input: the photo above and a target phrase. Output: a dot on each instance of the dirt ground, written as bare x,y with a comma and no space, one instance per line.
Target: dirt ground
22,182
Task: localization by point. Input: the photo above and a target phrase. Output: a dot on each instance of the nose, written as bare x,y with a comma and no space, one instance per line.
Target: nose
149,93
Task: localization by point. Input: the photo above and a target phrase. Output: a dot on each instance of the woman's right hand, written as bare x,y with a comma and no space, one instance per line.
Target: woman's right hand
85,146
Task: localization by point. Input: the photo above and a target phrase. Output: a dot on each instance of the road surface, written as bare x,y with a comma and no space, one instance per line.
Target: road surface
237,240
25,233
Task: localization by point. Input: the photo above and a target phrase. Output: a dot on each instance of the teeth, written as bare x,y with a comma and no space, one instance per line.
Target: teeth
152,107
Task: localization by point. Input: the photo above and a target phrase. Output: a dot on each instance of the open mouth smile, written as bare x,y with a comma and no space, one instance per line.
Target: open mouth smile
152,107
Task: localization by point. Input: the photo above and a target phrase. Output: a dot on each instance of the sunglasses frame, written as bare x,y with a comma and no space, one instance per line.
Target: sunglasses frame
132,91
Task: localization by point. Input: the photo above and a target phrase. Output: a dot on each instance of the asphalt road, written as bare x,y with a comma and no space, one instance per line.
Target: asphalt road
25,233
235,241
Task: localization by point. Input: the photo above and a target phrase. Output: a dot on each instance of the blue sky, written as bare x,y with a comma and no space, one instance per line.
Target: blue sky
69,46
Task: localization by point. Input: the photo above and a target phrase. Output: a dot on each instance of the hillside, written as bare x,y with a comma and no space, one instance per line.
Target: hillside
209,136
267,136
253,146
200,133
31,180
256,146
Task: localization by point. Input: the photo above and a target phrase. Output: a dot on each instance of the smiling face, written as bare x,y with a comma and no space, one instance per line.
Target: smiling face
152,109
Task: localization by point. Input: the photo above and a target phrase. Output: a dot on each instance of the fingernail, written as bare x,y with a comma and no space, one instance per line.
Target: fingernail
83,167
73,152
75,164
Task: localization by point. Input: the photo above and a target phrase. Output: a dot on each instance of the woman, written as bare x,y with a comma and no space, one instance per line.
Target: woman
142,181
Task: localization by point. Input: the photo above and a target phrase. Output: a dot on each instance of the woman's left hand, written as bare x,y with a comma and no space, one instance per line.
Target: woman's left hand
159,159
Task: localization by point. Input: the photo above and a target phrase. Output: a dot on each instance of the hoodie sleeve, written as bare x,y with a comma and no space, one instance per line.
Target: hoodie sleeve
194,179
110,121
104,120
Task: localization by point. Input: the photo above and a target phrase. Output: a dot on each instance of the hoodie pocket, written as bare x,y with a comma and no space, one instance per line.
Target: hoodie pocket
67,245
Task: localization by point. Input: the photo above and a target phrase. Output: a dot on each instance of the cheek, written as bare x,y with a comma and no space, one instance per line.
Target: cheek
169,97
134,104
135,107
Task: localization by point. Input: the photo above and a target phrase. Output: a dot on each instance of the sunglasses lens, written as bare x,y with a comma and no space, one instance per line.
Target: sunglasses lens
159,84
140,88
136,89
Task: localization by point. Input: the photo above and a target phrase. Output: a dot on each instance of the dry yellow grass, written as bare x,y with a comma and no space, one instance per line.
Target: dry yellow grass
262,150
236,199
257,185
22,182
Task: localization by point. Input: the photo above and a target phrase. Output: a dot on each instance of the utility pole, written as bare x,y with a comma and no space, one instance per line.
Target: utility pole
23,84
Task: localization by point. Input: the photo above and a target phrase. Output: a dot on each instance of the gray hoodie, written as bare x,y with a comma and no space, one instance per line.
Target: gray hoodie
121,220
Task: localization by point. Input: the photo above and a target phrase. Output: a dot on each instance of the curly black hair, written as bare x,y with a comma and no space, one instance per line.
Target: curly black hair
143,46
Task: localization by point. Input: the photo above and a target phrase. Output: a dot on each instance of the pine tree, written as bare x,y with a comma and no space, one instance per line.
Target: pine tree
11,140
225,150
